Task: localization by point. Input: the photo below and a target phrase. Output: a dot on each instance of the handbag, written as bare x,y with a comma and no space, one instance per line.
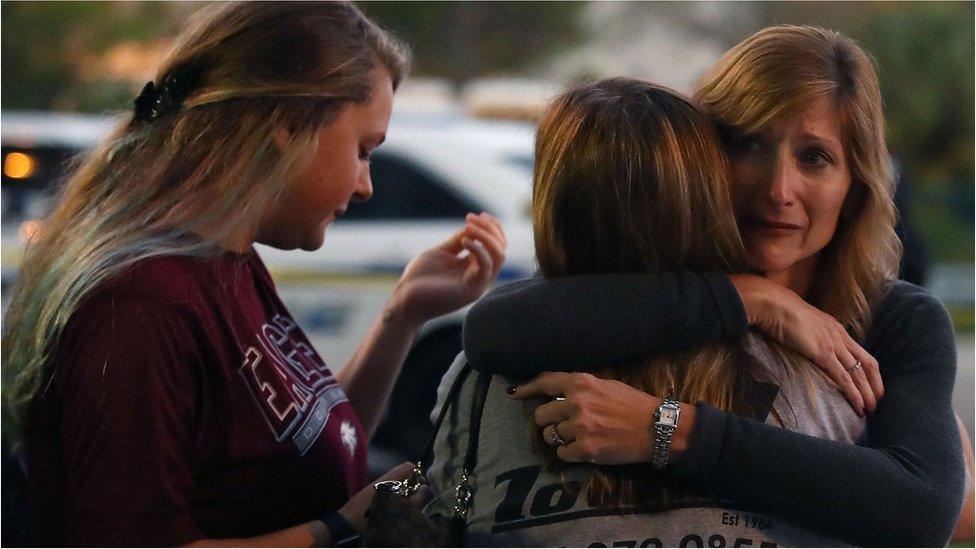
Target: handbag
395,521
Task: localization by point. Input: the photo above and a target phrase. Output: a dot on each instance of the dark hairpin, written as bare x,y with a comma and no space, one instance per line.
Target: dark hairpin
155,101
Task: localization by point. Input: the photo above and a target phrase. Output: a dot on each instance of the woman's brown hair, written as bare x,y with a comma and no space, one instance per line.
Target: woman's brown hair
207,164
631,177
774,74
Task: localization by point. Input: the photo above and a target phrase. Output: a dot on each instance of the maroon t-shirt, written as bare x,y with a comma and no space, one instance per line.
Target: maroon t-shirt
186,403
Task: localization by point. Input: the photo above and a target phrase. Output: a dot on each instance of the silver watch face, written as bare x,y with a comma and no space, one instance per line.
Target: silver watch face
669,416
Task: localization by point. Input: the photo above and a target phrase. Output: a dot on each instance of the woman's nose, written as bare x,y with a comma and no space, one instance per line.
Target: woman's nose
364,190
781,182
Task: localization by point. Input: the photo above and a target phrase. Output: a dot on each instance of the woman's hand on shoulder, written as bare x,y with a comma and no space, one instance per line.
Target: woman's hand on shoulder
601,420
445,278
786,317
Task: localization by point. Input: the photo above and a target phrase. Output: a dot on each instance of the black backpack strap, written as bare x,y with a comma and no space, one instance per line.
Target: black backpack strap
477,410
463,490
463,493
452,395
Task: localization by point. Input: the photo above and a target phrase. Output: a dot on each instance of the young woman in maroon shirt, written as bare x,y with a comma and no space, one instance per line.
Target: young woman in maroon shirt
160,390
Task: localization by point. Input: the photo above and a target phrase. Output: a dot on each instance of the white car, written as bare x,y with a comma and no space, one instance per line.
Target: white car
431,171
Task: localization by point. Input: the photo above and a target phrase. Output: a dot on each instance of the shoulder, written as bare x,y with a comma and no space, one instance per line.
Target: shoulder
905,303
169,280
910,326
447,384
119,325
127,349
165,298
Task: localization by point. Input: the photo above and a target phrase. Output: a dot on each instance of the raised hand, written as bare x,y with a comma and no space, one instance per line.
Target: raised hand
453,273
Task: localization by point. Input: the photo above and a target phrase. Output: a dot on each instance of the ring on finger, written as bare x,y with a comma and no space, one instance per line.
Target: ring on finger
551,435
857,366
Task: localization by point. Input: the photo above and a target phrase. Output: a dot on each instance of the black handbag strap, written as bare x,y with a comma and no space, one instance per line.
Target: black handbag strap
451,397
477,410
463,490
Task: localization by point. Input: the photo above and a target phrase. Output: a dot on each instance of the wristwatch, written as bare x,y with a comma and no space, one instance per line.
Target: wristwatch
343,534
665,424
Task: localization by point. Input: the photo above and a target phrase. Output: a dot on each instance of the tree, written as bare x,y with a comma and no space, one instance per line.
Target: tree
50,50
462,40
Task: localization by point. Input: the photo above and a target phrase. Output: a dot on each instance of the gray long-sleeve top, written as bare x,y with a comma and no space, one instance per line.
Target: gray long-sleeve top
902,484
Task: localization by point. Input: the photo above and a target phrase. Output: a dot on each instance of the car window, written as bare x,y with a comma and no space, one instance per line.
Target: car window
403,190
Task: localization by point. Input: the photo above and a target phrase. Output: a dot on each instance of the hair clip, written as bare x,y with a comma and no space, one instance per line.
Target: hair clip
155,101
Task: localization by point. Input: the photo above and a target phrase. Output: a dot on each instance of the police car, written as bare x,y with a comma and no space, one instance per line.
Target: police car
432,170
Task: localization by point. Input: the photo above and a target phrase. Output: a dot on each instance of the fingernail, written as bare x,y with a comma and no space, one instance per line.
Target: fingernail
511,390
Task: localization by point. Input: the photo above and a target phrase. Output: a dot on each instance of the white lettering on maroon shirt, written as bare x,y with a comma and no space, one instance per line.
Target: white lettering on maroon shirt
290,383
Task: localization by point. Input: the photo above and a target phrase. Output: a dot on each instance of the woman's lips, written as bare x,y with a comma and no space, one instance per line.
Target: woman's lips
770,227
335,216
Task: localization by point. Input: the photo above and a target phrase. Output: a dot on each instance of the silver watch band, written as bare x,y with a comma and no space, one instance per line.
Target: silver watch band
662,435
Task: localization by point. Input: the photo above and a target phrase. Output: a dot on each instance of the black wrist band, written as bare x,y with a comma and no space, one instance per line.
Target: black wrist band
343,534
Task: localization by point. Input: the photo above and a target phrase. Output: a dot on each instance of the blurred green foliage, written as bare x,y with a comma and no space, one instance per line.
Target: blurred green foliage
963,323
925,59
46,45
924,52
925,56
463,40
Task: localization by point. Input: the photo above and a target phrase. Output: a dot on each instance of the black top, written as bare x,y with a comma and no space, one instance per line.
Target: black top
604,318
902,484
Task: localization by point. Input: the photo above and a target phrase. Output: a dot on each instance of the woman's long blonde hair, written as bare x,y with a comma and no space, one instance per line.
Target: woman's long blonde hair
631,177
207,168
774,74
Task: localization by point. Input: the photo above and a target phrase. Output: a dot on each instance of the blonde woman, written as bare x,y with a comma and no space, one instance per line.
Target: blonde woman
800,112
159,388
619,163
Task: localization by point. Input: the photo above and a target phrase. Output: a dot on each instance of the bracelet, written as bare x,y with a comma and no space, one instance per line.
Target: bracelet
343,534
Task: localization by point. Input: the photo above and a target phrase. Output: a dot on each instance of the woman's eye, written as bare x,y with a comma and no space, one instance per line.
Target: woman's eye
364,155
815,158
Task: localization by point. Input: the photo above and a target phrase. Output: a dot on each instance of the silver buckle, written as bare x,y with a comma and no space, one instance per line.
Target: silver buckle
406,487
462,493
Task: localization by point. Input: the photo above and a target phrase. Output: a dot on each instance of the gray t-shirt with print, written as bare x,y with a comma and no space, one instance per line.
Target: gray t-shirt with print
517,502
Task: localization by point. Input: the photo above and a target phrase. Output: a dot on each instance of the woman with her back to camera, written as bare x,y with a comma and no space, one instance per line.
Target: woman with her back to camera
158,387
800,111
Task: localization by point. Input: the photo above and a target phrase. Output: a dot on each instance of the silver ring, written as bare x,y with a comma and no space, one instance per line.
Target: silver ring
551,435
855,367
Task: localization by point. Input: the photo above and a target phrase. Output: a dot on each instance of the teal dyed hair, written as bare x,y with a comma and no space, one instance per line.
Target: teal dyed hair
207,169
